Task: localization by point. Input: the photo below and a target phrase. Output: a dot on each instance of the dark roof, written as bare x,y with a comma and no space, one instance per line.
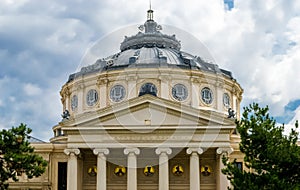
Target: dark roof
150,49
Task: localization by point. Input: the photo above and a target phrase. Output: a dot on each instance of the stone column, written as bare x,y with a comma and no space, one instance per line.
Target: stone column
222,181
194,167
163,167
131,167
101,167
72,181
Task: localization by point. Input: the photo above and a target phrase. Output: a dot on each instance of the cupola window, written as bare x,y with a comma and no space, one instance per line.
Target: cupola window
117,93
74,102
91,97
207,95
148,88
226,100
179,92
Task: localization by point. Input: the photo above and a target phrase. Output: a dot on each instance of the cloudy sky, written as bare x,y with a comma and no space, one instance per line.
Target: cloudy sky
42,42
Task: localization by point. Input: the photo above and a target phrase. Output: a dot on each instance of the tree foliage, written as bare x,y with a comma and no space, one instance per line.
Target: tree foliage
16,156
272,159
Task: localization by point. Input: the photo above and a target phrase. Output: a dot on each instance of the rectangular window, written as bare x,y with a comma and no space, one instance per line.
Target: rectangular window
239,165
62,176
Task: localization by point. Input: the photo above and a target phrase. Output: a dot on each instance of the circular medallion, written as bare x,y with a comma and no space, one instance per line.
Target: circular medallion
117,93
91,97
74,102
179,92
226,100
207,95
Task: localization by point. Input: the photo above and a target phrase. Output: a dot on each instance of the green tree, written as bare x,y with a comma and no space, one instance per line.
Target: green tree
272,159
16,156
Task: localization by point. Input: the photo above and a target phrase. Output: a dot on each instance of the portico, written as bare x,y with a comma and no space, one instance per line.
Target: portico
192,178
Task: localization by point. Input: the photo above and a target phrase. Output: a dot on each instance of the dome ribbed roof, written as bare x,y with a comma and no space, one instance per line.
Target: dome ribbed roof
150,48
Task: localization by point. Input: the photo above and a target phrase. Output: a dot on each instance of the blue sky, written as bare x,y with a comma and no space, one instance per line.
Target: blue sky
42,42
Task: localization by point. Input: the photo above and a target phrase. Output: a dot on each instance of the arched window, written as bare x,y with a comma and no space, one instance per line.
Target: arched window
148,88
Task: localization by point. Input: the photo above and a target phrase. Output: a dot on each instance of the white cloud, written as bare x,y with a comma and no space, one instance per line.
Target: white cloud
245,43
12,98
293,29
42,43
291,124
32,89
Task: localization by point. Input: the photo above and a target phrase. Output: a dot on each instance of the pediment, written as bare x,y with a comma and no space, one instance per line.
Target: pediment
146,111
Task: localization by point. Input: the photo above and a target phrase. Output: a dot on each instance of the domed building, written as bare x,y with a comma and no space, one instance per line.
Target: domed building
150,116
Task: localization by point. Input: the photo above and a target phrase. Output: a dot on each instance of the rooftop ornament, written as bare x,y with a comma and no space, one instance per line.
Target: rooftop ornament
231,113
65,115
150,36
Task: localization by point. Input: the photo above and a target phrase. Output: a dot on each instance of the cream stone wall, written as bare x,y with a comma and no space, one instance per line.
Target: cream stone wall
163,78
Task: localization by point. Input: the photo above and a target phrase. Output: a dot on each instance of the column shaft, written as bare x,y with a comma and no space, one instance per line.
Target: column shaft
222,181
131,167
132,177
163,171
163,167
101,168
194,167
72,173
194,172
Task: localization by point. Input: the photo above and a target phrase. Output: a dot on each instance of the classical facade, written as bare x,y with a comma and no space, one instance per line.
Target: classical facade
148,117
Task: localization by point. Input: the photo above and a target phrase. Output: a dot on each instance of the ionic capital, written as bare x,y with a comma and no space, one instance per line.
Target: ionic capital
72,151
135,151
167,151
194,149
101,151
224,150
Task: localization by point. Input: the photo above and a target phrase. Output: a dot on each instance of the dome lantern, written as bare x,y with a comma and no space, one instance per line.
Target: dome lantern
150,14
151,37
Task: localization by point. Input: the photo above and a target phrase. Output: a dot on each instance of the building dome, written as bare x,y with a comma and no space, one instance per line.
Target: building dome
151,62
138,117
151,48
